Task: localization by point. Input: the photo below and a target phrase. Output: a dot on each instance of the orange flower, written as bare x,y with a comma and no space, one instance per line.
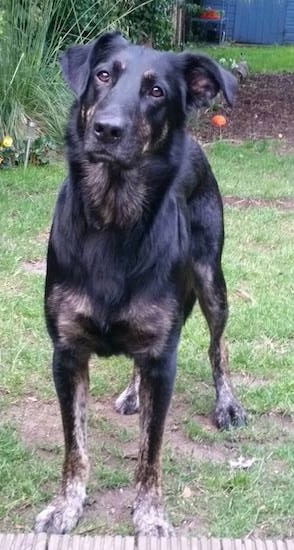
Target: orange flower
219,121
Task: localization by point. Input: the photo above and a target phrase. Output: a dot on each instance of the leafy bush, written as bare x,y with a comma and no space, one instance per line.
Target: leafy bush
152,21
143,20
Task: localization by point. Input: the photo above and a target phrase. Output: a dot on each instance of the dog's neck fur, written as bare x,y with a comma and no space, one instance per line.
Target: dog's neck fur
112,196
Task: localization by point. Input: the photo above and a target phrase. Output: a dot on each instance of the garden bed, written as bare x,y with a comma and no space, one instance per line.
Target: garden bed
263,109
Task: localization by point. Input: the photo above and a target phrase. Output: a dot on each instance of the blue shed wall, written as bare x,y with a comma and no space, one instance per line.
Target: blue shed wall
289,23
230,7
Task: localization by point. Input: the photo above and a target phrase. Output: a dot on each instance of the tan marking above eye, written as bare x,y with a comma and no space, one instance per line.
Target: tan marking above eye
119,66
148,75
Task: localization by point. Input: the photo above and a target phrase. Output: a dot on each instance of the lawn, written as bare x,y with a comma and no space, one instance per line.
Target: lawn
265,59
205,495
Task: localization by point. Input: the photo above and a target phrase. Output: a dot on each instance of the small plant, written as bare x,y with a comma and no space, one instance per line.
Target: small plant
40,151
11,155
239,68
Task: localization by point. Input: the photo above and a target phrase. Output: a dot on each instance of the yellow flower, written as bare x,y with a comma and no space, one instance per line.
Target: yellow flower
7,141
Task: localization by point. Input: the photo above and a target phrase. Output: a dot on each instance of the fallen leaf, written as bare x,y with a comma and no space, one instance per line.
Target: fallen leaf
241,463
187,493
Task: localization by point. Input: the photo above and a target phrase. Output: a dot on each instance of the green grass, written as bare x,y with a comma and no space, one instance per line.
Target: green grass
252,169
23,478
260,59
231,503
258,264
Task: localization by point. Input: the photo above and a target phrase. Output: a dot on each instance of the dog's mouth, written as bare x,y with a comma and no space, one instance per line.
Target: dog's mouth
94,157
123,160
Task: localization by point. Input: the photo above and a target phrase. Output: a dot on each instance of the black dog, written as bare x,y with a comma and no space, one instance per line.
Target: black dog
137,237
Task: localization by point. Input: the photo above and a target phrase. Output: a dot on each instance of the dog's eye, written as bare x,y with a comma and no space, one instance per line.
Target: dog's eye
156,91
103,76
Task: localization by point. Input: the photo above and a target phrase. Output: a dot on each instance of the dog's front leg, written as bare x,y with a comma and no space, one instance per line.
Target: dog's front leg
156,383
70,372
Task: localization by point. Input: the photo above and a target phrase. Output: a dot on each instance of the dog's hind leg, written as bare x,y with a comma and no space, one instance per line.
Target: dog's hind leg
156,385
212,295
128,401
70,373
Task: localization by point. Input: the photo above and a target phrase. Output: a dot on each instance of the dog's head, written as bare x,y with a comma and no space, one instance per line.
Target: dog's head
131,99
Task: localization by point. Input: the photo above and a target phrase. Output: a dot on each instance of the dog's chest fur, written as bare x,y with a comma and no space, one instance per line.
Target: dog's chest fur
140,327
115,294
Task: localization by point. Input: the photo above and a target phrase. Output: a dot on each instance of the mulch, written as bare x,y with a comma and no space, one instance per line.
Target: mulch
263,109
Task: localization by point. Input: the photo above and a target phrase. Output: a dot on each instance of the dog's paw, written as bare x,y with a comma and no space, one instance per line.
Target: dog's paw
150,520
128,401
229,413
60,516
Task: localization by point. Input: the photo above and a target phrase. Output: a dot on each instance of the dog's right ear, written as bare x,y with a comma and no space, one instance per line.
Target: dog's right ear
205,78
76,62
75,66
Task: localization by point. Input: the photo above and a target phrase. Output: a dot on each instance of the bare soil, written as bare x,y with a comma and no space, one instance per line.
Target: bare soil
263,109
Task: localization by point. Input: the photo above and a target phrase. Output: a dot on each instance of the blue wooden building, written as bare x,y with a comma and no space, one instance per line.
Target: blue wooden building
257,21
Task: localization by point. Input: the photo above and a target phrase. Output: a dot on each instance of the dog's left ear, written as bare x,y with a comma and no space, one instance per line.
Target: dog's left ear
205,78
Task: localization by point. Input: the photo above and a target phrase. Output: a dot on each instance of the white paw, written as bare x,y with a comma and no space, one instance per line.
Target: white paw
151,521
128,401
59,517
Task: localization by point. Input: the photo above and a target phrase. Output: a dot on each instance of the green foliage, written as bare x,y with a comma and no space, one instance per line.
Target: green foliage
152,21
30,84
39,153
143,21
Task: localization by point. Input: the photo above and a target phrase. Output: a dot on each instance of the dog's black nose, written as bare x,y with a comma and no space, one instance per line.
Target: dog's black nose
108,131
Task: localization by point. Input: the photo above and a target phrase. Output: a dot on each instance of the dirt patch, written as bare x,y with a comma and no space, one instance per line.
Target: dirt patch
263,109
35,266
39,425
284,422
248,380
239,202
112,507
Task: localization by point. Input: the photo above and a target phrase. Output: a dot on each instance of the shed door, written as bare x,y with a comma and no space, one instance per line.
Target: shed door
260,21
